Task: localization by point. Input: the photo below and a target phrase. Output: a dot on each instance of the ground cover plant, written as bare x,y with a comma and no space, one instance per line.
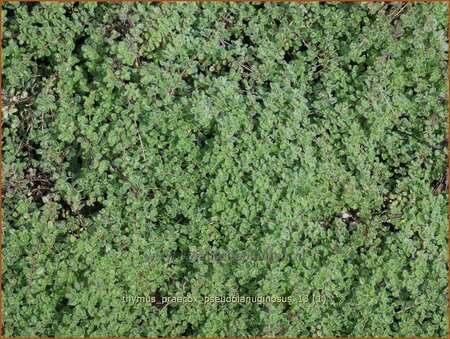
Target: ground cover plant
293,151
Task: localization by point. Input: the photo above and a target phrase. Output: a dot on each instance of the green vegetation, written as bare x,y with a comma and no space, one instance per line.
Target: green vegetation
223,149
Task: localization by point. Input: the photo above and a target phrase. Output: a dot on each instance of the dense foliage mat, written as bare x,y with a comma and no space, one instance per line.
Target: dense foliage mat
225,149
